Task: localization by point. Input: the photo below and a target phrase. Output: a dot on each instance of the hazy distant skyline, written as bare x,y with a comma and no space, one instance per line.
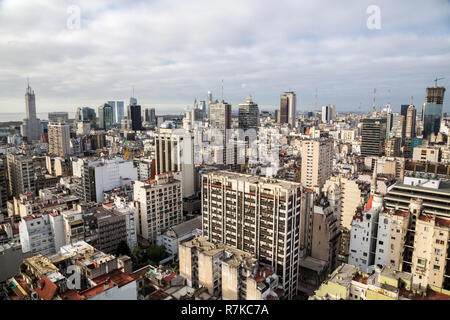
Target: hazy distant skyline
175,51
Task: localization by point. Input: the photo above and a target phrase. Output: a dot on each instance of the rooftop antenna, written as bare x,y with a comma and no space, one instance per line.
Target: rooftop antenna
436,80
222,91
374,98
412,100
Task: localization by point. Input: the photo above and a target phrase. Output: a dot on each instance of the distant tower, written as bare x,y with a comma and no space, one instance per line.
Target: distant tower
374,108
31,126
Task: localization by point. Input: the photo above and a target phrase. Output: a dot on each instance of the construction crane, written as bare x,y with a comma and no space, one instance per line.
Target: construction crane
436,80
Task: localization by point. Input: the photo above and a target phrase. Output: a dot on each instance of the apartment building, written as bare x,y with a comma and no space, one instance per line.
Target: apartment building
226,272
158,205
42,234
174,152
257,215
59,139
20,174
317,161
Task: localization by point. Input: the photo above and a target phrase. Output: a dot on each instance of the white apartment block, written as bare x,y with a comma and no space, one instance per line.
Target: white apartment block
43,234
363,235
158,205
122,207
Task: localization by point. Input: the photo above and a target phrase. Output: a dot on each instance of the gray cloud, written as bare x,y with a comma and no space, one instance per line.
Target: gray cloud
174,51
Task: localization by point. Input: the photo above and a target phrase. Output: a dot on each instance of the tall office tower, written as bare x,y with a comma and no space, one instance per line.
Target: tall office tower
174,152
31,128
158,204
389,124
86,115
119,112
105,117
248,115
113,106
257,215
288,108
328,113
317,162
404,110
373,134
59,139
146,115
410,131
433,112
20,174
208,106
134,116
220,121
59,117
152,116
277,116
202,106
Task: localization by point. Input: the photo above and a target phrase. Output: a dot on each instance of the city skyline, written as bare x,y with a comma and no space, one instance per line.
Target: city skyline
342,58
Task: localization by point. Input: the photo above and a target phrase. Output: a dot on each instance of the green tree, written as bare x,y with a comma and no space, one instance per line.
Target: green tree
156,253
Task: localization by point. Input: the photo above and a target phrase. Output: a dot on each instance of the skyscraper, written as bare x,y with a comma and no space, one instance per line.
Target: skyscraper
257,215
119,114
21,176
113,105
220,121
410,130
433,112
373,136
328,113
86,115
210,100
248,115
134,115
288,108
105,117
59,139
317,161
31,126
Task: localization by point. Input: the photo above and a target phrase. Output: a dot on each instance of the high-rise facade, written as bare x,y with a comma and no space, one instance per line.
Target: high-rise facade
328,113
256,215
20,174
411,114
158,204
134,115
317,161
31,128
433,112
175,153
373,134
288,108
119,112
208,104
86,115
248,115
59,139
105,117
220,123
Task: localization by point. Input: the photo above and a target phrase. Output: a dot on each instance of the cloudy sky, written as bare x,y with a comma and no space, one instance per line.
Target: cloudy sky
174,51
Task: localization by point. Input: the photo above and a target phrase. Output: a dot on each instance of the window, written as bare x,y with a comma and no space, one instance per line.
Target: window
380,242
421,261
435,267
